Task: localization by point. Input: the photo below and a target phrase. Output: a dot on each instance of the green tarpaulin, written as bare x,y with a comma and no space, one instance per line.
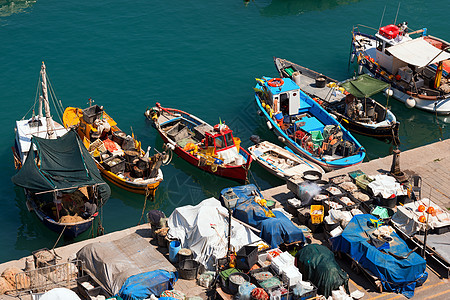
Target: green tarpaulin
364,86
64,163
318,265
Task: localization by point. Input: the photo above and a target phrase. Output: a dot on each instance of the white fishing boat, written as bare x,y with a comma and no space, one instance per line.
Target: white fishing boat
281,162
61,182
418,68
39,125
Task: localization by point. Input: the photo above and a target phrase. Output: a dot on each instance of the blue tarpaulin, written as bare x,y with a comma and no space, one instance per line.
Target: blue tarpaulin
397,275
274,231
142,286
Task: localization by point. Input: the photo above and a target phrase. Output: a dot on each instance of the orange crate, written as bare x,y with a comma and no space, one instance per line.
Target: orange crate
315,217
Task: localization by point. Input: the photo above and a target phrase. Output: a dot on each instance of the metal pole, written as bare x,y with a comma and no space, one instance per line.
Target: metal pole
426,229
229,236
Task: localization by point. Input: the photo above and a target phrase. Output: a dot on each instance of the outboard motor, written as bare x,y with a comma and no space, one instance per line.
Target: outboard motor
255,139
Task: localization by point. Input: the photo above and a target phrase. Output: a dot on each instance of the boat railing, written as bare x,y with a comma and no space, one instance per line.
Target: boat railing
45,278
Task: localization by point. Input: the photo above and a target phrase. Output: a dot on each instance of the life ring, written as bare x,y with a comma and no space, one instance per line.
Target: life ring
275,82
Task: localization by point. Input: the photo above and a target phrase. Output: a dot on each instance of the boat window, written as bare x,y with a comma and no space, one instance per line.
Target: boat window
379,45
284,103
210,141
220,142
229,139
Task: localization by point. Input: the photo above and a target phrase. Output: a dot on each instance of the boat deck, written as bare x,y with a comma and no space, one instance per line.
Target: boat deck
308,85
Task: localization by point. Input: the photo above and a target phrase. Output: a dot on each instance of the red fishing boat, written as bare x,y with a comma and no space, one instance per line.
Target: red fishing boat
210,148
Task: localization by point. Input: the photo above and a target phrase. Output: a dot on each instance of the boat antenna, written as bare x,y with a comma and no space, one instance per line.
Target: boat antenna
382,16
398,8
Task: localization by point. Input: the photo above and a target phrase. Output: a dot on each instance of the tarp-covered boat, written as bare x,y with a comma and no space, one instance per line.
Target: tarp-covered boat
398,268
211,149
119,157
304,126
114,262
63,185
347,101
275,227
204,230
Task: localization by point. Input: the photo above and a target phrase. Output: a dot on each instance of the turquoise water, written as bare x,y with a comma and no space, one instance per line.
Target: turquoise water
199,56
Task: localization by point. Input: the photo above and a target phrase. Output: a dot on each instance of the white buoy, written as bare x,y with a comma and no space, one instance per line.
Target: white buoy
360,68
389,92
352,58
296,77
269,125
410,102
281,139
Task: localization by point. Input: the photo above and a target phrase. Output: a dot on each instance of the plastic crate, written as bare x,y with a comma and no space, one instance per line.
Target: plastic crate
246,257
114,164
317,137
307,295
362,181
91,113
316,218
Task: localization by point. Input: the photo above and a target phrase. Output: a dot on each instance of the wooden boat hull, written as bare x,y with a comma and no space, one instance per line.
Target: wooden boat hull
325,164
72,117
388,131
143,189
70,230
381,133
237,172
299,165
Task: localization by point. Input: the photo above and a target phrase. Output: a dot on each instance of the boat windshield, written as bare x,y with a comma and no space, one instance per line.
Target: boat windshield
229,139
220,142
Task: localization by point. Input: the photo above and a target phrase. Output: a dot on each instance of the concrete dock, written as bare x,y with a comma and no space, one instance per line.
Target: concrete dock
431,162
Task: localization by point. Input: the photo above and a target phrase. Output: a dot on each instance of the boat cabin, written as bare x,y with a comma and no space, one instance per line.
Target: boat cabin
220,139
283,96
387,37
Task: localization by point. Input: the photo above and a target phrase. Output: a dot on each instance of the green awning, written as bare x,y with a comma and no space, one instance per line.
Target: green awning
364,86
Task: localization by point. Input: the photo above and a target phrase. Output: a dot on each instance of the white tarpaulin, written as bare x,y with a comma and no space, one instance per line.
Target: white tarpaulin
418,52
204,230
385,186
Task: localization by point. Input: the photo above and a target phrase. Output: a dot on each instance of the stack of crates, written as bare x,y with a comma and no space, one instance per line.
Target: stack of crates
317,138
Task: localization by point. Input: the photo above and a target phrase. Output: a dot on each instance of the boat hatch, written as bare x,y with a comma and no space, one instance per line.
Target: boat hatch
219,140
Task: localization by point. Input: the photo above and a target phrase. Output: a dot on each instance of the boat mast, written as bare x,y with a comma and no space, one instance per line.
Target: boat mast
48,117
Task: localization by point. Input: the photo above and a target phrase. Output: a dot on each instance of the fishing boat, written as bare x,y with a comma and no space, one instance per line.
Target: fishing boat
347,101
210,148
62,185
281,162
305,126
118,156
417,67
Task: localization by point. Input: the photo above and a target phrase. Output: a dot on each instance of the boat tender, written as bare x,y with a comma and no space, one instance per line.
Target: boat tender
281,162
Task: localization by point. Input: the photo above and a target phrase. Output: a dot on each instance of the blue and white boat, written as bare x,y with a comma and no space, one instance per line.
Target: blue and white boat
304,126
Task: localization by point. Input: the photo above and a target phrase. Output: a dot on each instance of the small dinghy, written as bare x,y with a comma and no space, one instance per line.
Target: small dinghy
281,162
